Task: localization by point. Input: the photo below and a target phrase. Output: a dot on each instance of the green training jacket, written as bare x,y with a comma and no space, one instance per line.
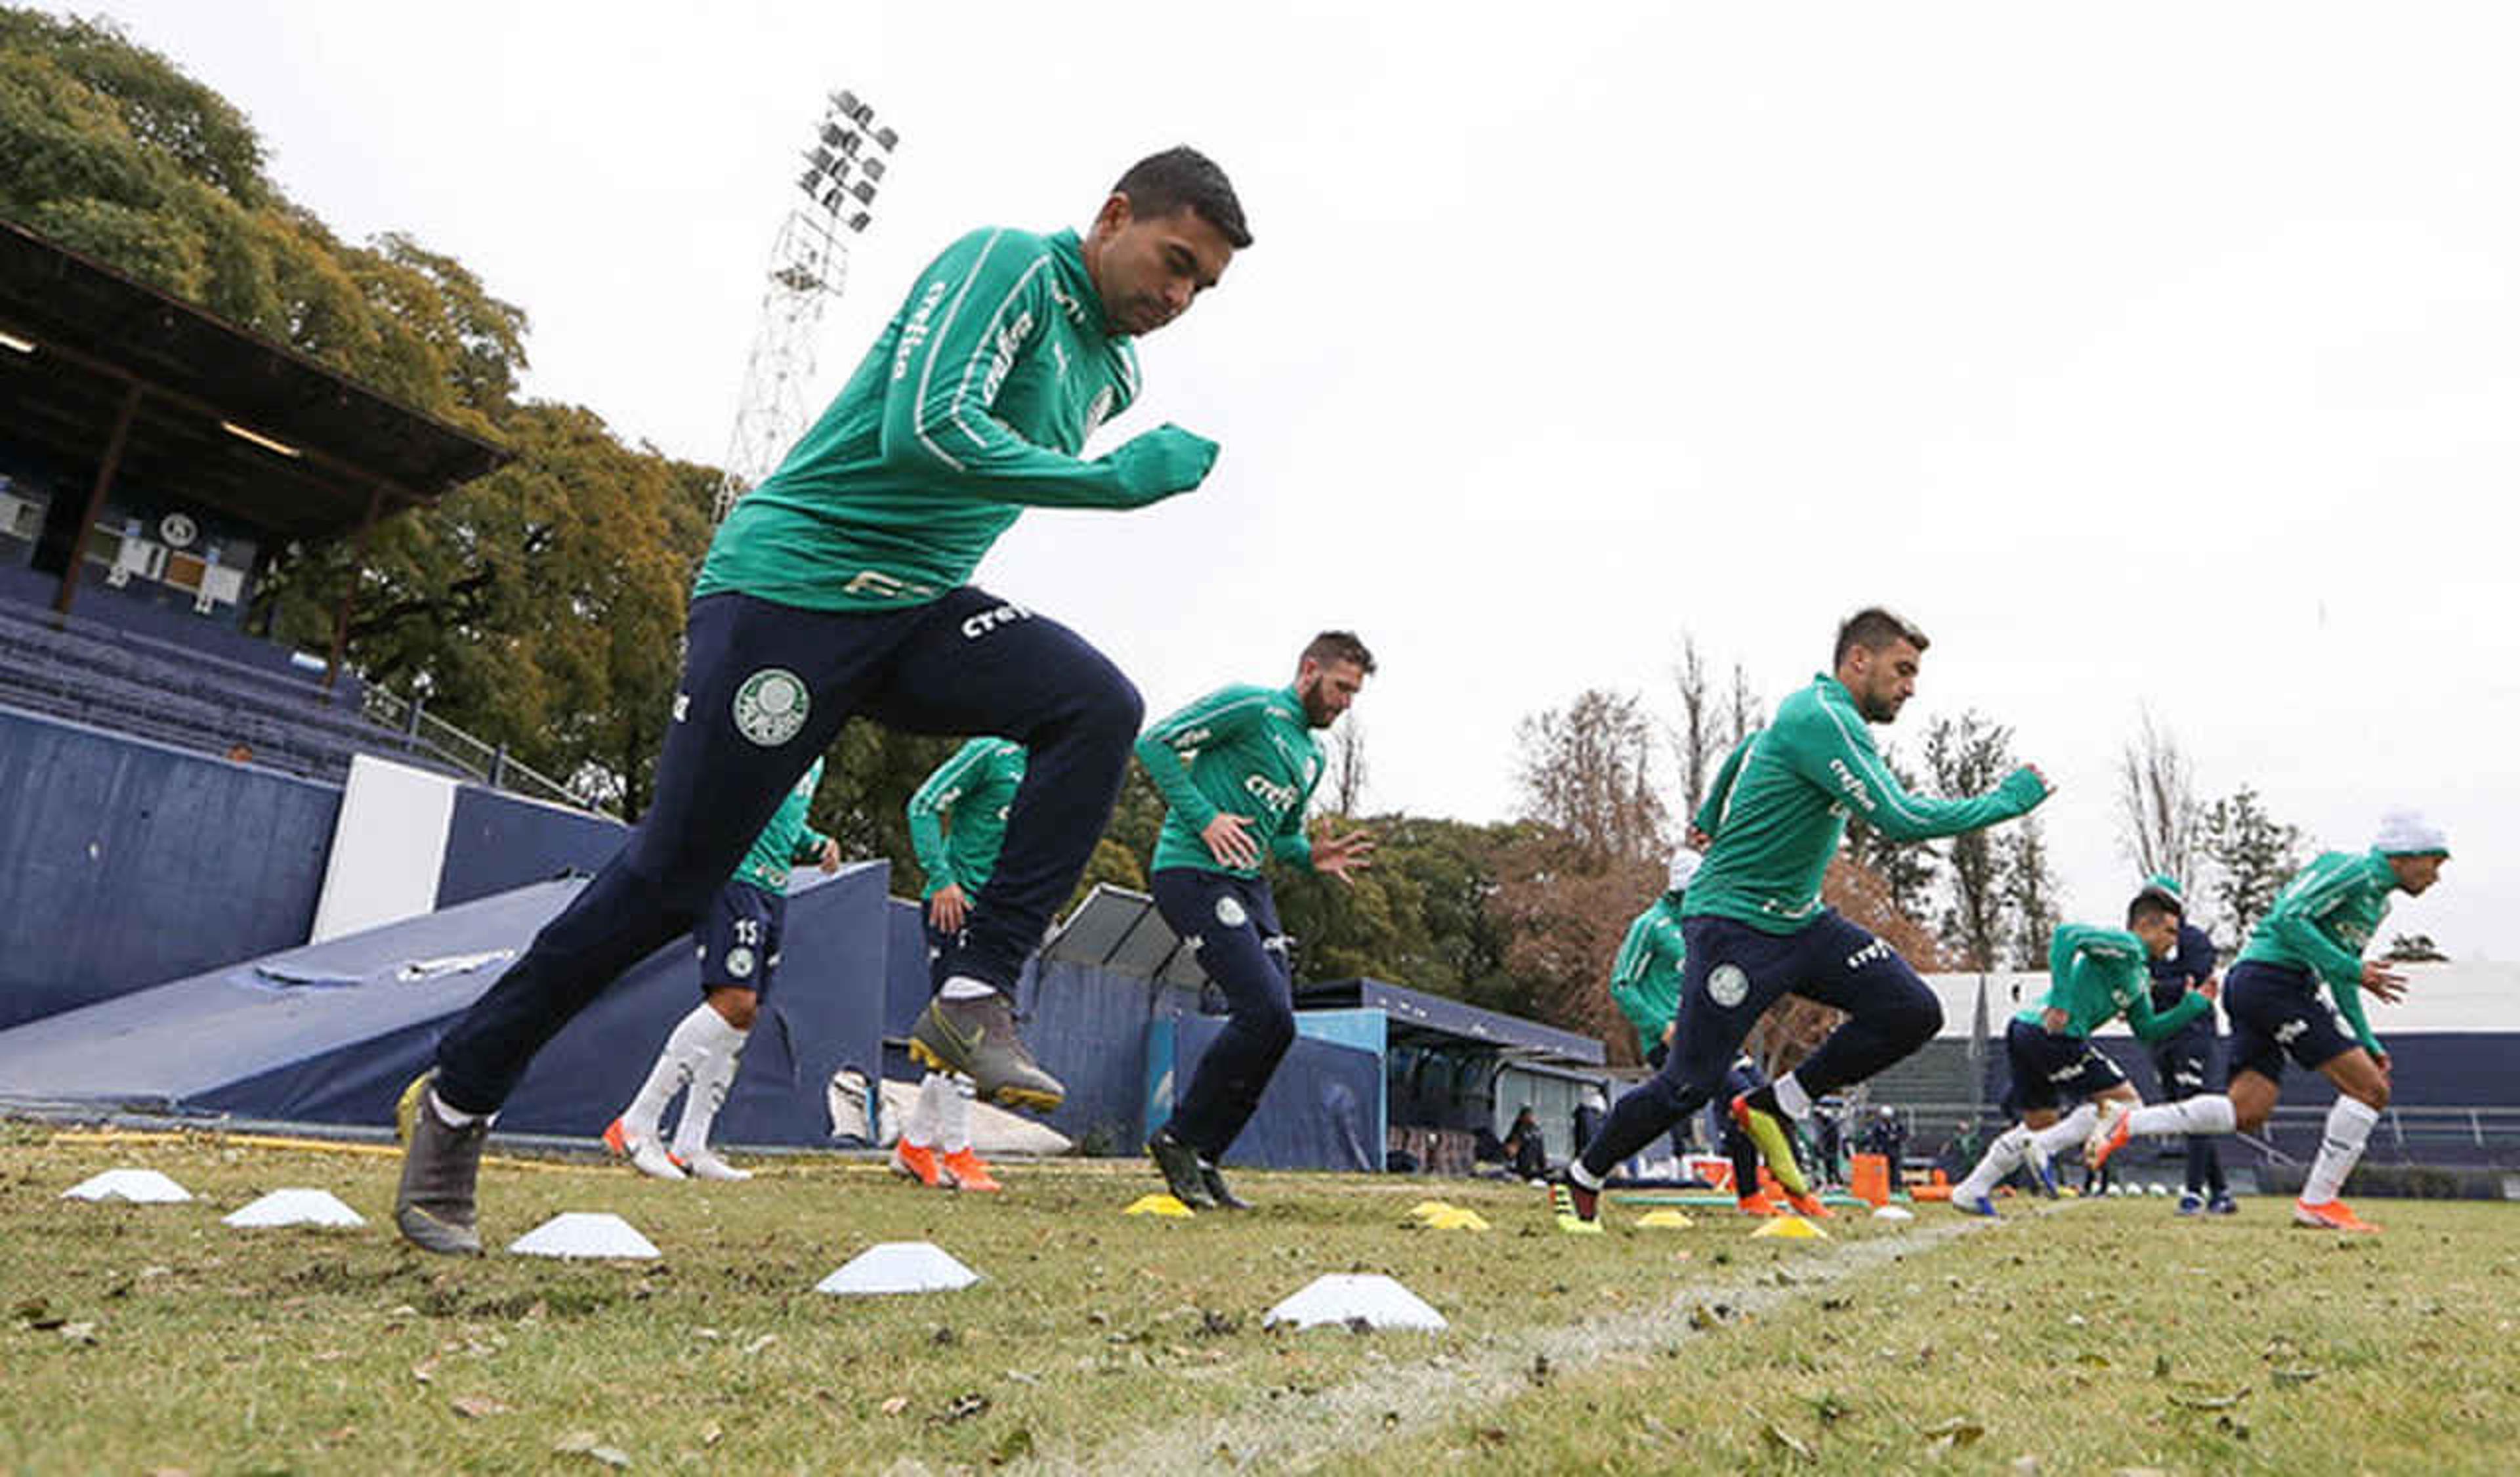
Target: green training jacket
1778,806
972,405
1245,749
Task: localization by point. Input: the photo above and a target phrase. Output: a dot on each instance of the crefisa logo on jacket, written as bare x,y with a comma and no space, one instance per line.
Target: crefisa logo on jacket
770,707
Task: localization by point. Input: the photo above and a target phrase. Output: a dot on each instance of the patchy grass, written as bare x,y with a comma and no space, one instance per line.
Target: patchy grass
151,1337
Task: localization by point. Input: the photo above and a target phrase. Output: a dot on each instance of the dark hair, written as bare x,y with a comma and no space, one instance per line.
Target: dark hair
1339,646
2149,905
1182,177
1876,630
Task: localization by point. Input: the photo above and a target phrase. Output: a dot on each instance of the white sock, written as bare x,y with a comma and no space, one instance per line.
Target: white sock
2349,1125
719,1050
953,1119
1792,1098
926,1118
2206,1113
964,987
1576,1172
453,1118
2068,1132
2002,1158
672,1072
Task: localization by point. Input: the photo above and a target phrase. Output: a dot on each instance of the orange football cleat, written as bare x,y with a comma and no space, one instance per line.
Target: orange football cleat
918,1161
971,1173
2331,1214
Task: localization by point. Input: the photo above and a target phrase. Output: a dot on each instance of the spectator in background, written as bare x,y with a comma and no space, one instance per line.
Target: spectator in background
1524,1148
1961,1151
1886,1136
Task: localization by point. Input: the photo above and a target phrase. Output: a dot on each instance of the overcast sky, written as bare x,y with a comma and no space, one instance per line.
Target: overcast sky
2155,356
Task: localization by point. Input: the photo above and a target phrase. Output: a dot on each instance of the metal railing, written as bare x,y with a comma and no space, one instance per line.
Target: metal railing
490,764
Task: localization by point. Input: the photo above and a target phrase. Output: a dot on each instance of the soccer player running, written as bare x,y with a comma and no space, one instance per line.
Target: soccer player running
2094,975
2184,1062
1235,769
837,588
1756,927
739,954
957,823
2314,934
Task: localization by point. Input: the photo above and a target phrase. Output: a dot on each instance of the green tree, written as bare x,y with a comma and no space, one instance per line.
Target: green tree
2252,855
1969,755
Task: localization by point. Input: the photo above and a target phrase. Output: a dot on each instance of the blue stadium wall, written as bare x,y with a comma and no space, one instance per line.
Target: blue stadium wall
125,864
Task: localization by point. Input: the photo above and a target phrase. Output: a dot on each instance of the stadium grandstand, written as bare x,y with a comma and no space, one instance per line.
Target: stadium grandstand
172,783
153,460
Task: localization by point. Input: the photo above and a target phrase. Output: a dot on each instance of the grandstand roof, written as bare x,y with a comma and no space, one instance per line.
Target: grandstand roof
99,332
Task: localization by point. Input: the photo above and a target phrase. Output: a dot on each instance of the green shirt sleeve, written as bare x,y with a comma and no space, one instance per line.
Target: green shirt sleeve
931,806
984,305
1222,713
2294,923
1837,755
1711,811
2149,1027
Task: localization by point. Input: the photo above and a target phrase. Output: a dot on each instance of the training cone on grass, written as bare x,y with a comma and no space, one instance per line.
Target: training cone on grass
896,1267
294,1208
1893,1213
1343,1299
1443,1214
1665,1220
1158,1205
1790,1228
139,1187
584,1233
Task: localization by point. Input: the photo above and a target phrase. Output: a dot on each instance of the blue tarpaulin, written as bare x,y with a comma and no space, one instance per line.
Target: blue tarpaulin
330,1032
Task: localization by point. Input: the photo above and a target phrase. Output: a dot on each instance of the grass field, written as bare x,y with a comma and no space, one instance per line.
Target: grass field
2090,1338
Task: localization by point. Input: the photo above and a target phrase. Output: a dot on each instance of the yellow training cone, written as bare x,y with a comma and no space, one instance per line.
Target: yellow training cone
1427,1210
1156,1205
1665,1220
1792,1228
1456,1217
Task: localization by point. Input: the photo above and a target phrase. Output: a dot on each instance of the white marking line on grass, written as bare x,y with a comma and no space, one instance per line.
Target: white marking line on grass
1299,1431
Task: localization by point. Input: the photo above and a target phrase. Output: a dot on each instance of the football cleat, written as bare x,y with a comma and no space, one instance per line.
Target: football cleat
2190,1203
2331,1214
644,1153
704,1164
971,1173
977,1038
918,1161
1975,1205
434,1205
2222,1204
1769,1134
1179,1164
1760,1205
1578,1210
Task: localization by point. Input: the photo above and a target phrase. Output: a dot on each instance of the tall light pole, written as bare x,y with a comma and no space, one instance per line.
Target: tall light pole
809,265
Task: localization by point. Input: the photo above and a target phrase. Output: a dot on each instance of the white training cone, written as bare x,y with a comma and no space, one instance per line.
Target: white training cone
1893,1213
295,1207
899,1266
583,1233
139,1187
1343,1297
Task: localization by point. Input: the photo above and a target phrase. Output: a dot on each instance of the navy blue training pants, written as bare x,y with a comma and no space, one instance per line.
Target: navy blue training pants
765,689
1732,975
1232,923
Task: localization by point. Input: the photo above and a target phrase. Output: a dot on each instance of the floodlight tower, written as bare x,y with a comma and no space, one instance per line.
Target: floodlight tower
809,265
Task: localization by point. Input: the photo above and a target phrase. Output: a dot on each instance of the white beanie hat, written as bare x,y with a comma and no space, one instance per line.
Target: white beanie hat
1684,863
2406,833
